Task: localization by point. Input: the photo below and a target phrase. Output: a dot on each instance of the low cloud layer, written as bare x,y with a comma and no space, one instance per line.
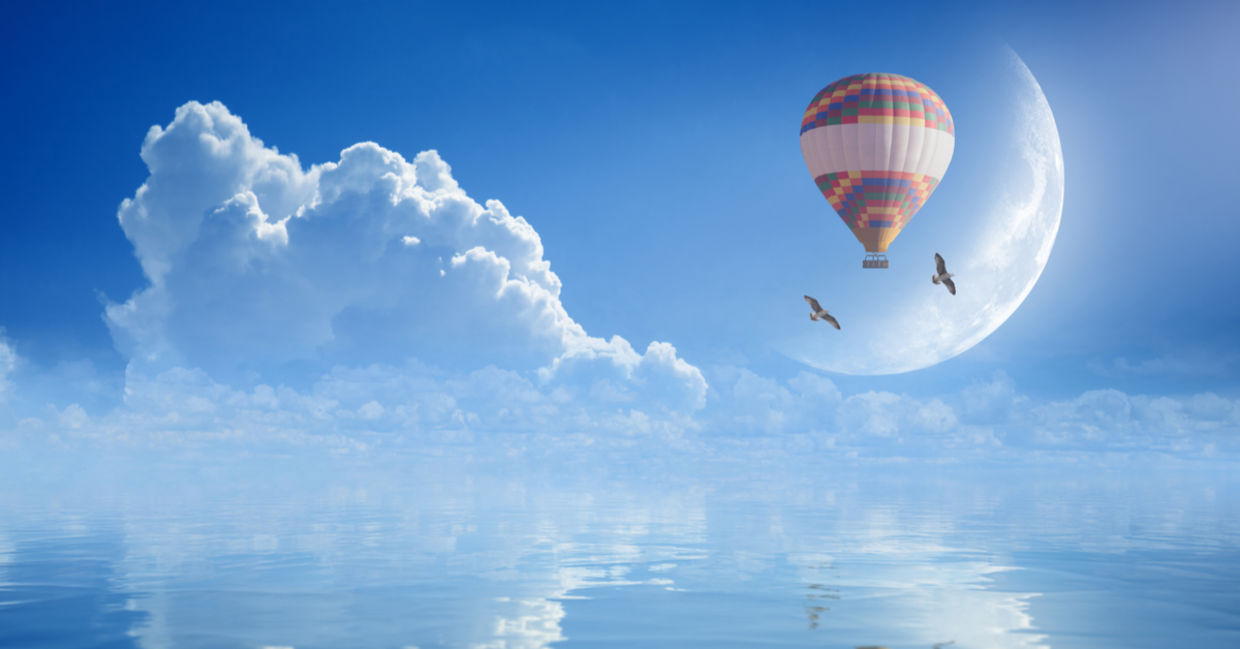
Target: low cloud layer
501,413
262,271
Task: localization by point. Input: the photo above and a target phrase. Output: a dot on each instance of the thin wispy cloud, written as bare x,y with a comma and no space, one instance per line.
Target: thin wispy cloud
1190,363
8,363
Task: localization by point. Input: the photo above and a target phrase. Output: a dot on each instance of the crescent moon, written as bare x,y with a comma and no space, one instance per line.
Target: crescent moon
995,270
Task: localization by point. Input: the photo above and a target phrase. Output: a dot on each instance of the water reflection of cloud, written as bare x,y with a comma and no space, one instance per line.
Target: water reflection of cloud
60,589
527,624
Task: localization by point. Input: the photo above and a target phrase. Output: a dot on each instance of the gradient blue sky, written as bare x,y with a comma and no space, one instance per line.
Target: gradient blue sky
652,146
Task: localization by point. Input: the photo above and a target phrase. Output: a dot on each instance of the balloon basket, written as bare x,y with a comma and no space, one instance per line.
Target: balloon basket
874,260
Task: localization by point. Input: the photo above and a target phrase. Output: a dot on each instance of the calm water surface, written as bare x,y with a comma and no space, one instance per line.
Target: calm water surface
475,559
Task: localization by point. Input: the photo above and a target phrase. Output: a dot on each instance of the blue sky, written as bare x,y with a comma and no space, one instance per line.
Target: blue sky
652,150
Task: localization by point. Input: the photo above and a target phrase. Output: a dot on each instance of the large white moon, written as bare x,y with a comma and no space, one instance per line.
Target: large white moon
996,220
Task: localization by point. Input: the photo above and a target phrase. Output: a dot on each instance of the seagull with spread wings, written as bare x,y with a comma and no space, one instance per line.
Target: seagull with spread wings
820,313
941,275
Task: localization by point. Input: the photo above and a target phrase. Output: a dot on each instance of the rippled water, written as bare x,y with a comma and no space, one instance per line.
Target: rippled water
473,558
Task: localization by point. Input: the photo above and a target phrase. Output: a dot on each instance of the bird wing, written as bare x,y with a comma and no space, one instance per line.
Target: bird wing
813,304
951,286
830,318
939,264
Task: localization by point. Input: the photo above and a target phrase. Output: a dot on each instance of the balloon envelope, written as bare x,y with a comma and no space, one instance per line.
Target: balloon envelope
877,145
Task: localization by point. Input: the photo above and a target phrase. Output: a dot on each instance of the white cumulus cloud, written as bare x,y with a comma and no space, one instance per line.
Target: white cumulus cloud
260,270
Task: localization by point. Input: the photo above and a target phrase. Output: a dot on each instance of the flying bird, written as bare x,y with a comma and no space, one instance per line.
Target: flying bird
942,276
820,313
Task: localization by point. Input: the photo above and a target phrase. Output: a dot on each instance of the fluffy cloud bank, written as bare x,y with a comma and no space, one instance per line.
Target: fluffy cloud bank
262,271
983,417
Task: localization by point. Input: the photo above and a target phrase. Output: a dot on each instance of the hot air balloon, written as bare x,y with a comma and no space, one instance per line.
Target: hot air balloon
877,145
